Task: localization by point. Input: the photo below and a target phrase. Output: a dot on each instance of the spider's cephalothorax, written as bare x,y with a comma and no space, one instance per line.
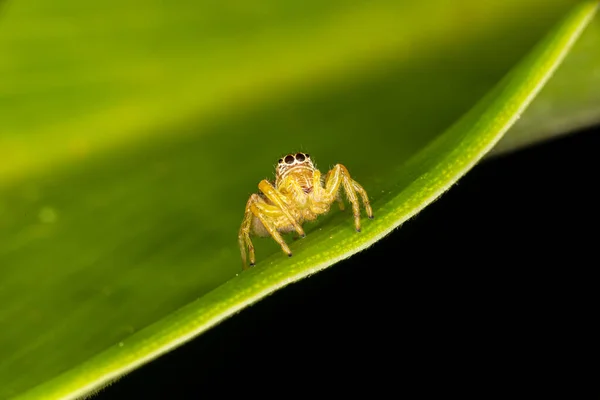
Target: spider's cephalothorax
298,195
299,166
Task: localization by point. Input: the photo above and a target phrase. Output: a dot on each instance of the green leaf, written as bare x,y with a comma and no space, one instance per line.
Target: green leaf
570,101
132,136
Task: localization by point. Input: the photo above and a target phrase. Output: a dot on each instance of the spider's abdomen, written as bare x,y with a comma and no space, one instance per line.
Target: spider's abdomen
258,228
282,225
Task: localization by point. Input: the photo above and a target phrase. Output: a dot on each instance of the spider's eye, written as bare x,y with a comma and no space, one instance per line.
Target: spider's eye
280,161
289,159
300,157
307,155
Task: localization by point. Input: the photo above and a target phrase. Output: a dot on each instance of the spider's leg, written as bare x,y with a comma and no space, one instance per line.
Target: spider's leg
275,197
339,175
365,199
353,198
244,234
317,184
266,213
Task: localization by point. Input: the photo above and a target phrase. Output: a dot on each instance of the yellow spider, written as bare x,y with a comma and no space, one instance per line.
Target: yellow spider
299,194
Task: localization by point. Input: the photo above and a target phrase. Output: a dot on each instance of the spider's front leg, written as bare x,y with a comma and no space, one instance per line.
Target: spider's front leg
244,235
276,198
339,175
318,184
266,214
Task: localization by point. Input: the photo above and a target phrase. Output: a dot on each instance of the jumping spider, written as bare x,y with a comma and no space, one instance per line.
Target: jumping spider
299,194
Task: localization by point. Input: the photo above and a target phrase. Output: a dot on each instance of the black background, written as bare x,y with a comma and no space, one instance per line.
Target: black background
484,288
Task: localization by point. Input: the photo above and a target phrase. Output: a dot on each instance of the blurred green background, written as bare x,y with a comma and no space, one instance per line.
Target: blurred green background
133,132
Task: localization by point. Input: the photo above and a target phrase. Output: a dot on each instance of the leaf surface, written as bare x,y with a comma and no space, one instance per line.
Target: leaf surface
129,149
